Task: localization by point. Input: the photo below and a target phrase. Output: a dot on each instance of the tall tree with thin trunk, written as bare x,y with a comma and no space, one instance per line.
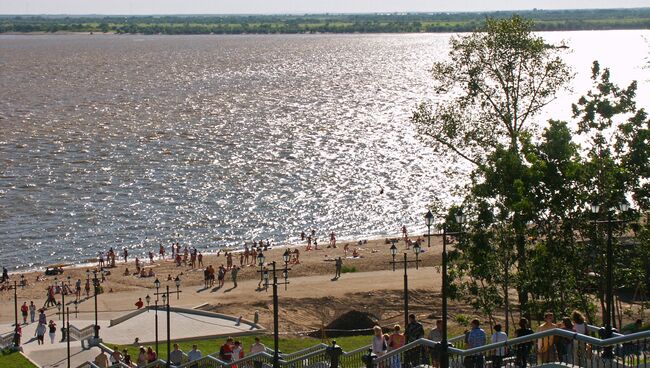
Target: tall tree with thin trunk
496,80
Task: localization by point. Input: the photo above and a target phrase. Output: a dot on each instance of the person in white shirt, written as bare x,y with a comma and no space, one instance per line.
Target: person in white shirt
257,347
194,354
499,353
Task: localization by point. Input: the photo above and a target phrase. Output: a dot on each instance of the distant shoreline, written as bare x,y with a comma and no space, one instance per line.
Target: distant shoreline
408,23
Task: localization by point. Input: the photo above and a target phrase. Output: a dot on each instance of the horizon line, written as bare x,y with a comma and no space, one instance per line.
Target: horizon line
316,13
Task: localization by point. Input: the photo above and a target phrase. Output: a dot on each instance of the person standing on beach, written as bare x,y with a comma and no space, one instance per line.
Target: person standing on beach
161,251
339,265
233,274
199,257
125,254
332,240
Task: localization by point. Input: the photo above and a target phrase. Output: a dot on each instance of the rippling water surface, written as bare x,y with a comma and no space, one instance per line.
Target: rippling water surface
128,141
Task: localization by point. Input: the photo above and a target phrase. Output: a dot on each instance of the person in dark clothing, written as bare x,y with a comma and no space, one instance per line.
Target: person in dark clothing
523,350
414,331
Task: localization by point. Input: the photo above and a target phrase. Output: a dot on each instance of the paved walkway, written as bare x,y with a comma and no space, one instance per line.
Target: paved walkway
185,324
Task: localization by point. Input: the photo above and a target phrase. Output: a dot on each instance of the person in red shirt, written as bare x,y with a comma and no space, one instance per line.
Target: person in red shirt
225,353
139,304
24,309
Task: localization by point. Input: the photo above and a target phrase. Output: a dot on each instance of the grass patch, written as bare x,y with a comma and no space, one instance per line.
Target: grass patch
347,269
287,345
13,359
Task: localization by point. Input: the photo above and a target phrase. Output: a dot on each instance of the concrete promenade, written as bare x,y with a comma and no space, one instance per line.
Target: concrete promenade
185,324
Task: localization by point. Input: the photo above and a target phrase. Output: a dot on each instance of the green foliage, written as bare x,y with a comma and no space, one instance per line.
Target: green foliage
14,359
348,269
463,319
546,20
530,189
500,77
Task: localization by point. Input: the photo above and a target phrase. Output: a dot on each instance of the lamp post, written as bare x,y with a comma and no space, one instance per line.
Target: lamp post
67,335
260,262
444,352
96,287
62,310
148,299
428,220
610,316
156,284
286,257
177,282
166,298
16,304
276,335
393,251
87,281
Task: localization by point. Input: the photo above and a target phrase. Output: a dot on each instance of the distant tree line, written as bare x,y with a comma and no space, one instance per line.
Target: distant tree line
545,20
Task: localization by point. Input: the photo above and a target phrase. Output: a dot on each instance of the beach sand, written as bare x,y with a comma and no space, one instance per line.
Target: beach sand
310,300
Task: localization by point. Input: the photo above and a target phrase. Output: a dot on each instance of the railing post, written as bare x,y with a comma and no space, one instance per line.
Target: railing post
369,359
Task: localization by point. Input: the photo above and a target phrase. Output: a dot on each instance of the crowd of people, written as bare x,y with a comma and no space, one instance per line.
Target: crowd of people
231,351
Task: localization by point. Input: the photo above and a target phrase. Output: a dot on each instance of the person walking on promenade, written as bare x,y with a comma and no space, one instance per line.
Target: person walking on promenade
24,309
523,350
545,346
395,341
40,334
52,331
499,353
176,356
435,335
194,355
579,326
32,312
414,331
474,338
42,319
101,360
379,345
257,347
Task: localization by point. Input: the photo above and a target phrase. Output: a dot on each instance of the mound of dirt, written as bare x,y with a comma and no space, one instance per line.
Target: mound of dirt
349,324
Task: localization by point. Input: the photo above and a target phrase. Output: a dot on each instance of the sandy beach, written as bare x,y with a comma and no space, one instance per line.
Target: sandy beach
311,299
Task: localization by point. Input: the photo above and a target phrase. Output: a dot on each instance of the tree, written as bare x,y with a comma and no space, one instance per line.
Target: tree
499,78
617,166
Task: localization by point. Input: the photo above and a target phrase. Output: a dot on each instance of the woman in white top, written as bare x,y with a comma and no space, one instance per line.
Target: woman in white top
499,353
579,348
379,346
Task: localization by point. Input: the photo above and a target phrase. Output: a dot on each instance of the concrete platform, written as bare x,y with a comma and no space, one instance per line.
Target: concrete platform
186,324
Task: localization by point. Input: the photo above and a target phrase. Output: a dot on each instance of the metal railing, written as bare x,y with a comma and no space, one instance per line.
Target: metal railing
83,334
550,347
6,339
555,346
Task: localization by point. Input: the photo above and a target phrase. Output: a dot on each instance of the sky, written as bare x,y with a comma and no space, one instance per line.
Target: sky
128,7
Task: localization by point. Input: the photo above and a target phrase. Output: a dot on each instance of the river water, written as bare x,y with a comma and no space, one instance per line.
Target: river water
132,141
